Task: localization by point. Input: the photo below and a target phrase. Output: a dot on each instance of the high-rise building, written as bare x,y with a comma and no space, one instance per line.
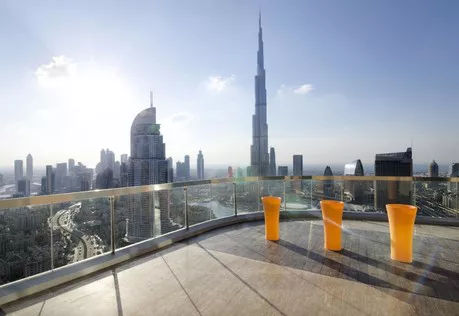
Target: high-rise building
170,170
109,160
433,169
29,163
282,171
104,180
240,172
297,171
328,185
61,175
272,162
71,164
48,182
124,174
354,189
124,158
453,172
18,172
389,192
230,172
24,187
297,165
259,156
200,166
116,170
187,167
148,165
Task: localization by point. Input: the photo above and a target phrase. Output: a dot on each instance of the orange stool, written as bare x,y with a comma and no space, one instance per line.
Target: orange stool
332,215
401,226
271,206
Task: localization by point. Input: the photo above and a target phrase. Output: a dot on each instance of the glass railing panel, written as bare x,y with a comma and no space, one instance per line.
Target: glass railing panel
25,242
82,228
143,216
359,196
200,204
298,195
221,200
436,199
248,197
272,188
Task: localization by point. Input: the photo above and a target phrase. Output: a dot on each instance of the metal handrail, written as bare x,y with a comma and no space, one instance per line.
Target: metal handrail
85,195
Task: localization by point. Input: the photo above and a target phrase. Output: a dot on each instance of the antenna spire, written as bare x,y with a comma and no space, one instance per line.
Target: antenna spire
151,99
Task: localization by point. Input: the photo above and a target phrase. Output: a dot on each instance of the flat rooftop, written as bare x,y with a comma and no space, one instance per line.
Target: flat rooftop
235,271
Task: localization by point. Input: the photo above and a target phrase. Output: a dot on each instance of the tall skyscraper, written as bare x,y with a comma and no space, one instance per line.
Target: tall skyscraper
61,175
297,165
282,171
355,189
230,172
24,187
124,158
148,165
71,164
297,171
18,172
200,166
328,185
453,172
170,170
389,192
433,169
272,162
29,163
48,182
259,156
187,168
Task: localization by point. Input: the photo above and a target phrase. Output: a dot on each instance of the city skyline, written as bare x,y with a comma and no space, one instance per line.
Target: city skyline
104,86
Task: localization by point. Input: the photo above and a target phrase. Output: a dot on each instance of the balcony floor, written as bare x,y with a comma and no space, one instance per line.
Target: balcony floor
235,271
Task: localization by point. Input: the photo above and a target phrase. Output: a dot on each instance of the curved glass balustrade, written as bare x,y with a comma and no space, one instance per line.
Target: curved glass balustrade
41,233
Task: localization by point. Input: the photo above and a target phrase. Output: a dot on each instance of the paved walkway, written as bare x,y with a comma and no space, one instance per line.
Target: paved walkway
234,271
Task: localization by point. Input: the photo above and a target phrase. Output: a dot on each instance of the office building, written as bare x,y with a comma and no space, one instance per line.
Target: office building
71,164
124,158
328,185
282,171
48,181
433,169
170,170
29,165
453,173
297,171
200,166
148,165
124,174
240,172
259,156
61,175
398,164
105,179
230,172
272,162
354,190
24,187
18,172
187,168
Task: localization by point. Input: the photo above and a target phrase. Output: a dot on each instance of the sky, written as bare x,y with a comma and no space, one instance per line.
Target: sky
345,79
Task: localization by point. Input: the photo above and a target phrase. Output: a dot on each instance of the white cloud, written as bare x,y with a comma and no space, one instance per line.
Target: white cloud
60,67
180,118
218,83
304,89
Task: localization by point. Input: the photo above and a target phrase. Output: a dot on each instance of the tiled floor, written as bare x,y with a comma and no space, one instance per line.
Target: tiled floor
235,271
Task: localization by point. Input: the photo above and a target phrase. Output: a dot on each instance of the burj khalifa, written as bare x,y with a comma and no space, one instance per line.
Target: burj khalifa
259,156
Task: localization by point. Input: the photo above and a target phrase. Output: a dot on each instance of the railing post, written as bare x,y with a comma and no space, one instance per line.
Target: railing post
234,199
310,194
285,196
258,198
112,223
187,224
51,215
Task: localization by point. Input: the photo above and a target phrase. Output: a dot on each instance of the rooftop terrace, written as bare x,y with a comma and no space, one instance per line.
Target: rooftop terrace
235,271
